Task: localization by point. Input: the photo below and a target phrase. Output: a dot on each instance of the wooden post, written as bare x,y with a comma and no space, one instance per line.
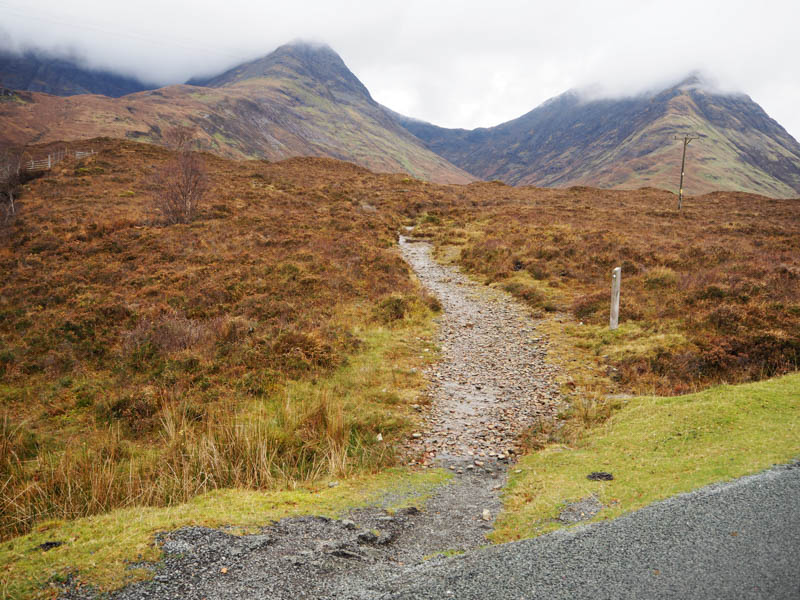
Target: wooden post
616,275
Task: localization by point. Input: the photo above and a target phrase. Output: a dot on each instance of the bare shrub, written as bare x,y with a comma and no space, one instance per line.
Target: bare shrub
10,180
182,183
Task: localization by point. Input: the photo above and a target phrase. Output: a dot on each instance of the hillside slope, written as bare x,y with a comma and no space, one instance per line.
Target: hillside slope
37,72
630,143
301,100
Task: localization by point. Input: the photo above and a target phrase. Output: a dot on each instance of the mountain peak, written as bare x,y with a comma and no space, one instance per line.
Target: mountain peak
312,62
693,79
589,137
304,48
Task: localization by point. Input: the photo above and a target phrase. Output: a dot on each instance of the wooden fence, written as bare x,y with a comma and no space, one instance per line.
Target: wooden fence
44,164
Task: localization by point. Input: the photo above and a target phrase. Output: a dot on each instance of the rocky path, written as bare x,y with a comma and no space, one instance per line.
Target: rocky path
492,382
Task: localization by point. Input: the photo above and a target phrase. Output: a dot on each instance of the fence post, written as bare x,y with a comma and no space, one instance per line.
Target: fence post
49,161
616,275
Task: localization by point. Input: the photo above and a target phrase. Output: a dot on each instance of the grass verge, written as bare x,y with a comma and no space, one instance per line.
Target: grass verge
656,447
97,550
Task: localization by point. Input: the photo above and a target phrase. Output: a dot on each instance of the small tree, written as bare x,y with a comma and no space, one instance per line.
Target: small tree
182,183
10,180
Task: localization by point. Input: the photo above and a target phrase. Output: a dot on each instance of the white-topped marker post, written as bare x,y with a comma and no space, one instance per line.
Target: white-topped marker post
616,275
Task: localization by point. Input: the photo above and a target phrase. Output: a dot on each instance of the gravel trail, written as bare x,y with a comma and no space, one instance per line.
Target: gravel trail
733,540
492,382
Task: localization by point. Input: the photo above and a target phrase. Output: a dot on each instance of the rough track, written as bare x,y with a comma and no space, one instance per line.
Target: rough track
492,382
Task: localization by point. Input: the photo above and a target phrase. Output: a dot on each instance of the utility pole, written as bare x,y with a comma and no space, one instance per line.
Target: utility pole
686,140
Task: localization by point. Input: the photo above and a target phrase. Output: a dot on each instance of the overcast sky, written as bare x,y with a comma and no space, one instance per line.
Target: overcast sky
458,63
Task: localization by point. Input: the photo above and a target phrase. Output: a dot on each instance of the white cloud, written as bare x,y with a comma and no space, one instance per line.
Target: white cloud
459,64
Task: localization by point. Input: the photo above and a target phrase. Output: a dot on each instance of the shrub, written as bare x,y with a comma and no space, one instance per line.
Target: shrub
181,184
530,295
392,309
660,277
10,181
170,332
432,302
135,410
297,352
587,306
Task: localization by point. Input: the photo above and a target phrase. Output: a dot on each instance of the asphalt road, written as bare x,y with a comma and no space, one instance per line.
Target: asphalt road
734,540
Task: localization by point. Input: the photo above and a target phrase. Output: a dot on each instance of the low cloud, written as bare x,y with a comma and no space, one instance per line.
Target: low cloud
458,64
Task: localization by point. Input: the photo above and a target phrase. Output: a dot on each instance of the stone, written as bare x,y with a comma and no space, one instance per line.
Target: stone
367,537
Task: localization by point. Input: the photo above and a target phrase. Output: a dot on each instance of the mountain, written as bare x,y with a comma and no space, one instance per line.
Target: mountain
300,100
312,62
39,72
630,143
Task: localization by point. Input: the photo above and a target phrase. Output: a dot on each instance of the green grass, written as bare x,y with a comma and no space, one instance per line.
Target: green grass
97,549
657,447
630,340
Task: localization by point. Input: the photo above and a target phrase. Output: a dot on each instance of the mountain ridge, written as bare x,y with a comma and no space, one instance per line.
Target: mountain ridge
629,142
37,71
300,100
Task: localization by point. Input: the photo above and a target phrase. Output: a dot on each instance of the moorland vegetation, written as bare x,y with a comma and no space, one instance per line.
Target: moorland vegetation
277,337
144,362
709,293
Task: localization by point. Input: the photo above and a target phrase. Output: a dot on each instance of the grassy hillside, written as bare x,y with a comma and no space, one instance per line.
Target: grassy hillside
268,342
627,143
709,294
656,448
277,342
716,160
